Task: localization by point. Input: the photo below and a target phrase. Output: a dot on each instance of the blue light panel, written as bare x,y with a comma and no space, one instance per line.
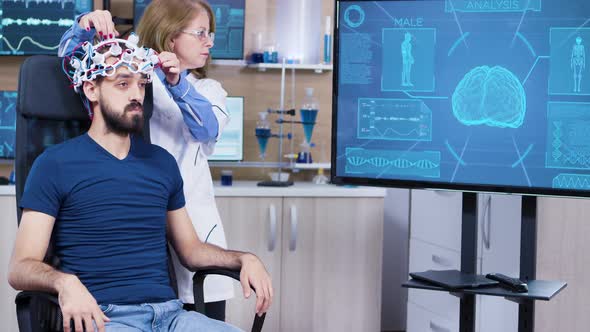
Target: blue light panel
464,94
36,26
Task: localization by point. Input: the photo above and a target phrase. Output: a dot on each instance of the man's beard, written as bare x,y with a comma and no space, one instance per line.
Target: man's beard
122,124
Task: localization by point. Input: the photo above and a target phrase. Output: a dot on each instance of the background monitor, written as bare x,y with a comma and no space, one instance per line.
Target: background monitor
35,27
231,145
229,34
468,95
7,124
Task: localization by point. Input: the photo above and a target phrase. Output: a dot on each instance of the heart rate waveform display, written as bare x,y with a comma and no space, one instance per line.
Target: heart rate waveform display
469,95
394,119
35,26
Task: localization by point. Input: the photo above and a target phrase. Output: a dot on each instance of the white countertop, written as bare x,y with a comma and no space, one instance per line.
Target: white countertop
300,189
7,190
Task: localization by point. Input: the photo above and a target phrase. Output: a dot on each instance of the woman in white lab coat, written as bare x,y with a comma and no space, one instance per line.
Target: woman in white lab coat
189,115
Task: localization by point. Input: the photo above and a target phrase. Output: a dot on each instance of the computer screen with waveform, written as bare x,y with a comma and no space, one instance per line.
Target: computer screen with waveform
7,124
36,26
472,95
229,30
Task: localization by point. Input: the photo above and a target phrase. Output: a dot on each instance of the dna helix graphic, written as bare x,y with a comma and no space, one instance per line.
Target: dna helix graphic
579,158
572,181
400,163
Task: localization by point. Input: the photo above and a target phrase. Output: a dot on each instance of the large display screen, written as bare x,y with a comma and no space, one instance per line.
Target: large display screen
483,95
7,124
36,26
230,146
229,30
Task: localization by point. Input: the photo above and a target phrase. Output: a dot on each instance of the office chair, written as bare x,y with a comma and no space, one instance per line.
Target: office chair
50,112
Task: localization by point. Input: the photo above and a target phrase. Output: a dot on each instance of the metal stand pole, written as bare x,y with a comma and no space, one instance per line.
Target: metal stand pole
468,259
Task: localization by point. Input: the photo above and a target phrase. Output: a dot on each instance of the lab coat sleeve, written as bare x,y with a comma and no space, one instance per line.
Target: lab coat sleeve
218,97
73,37
197,111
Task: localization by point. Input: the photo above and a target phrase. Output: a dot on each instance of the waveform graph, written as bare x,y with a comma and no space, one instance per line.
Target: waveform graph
568,136
49,3
394,120
36,26
572,182
392,163
7,123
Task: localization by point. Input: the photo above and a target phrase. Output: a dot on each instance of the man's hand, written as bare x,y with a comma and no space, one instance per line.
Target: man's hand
102,21
254,274
170,66
77,304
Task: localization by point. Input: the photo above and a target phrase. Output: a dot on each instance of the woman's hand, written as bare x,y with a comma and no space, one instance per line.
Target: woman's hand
101,21
170,66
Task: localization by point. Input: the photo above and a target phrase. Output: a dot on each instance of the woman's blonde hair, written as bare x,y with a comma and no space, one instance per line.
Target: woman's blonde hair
164,19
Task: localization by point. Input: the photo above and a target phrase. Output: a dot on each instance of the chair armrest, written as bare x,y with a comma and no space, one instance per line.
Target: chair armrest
38,311
28,295
234,274
198,281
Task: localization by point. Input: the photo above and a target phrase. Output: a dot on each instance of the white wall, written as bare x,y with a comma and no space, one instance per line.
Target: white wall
8,226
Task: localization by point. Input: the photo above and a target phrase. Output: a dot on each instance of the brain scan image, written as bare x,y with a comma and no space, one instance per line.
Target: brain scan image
491,96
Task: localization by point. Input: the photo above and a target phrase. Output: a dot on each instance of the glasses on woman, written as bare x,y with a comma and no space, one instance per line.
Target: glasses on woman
202,34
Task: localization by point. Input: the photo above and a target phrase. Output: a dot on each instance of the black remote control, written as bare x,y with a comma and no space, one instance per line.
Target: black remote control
515,285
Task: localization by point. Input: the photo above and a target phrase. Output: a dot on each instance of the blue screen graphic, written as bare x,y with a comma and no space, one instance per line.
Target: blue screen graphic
229,19
36,26
7,124
465,93
230,146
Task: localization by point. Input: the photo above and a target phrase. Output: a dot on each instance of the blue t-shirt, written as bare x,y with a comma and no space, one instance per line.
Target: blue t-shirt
110,227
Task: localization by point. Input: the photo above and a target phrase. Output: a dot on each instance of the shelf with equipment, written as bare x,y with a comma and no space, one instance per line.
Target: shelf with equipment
317,68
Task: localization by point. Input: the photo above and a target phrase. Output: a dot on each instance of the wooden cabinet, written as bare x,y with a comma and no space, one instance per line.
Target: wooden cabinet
254,224
325,259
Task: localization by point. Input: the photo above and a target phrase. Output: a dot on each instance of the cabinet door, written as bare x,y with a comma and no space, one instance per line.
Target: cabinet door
422,320
254,225
436,217
425,256
500,220
332,259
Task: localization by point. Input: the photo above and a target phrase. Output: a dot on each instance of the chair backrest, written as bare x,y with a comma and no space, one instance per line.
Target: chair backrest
50,112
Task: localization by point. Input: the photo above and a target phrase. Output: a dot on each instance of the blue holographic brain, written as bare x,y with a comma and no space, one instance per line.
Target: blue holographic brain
490,96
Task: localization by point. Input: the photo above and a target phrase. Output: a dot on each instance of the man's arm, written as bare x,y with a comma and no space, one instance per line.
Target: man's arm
195,254
27,271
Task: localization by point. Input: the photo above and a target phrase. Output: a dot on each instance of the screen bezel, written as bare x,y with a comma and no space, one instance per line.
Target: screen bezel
216,57
93,7
243,120
415,184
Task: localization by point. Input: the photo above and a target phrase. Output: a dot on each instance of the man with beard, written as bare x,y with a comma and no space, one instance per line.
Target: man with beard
113,203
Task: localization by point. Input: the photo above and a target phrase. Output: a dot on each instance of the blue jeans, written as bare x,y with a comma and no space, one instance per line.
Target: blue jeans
159,317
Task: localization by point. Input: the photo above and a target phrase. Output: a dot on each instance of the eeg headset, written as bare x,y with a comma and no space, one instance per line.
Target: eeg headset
87,61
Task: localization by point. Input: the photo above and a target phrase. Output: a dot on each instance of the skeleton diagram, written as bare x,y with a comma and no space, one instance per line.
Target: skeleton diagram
578,63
